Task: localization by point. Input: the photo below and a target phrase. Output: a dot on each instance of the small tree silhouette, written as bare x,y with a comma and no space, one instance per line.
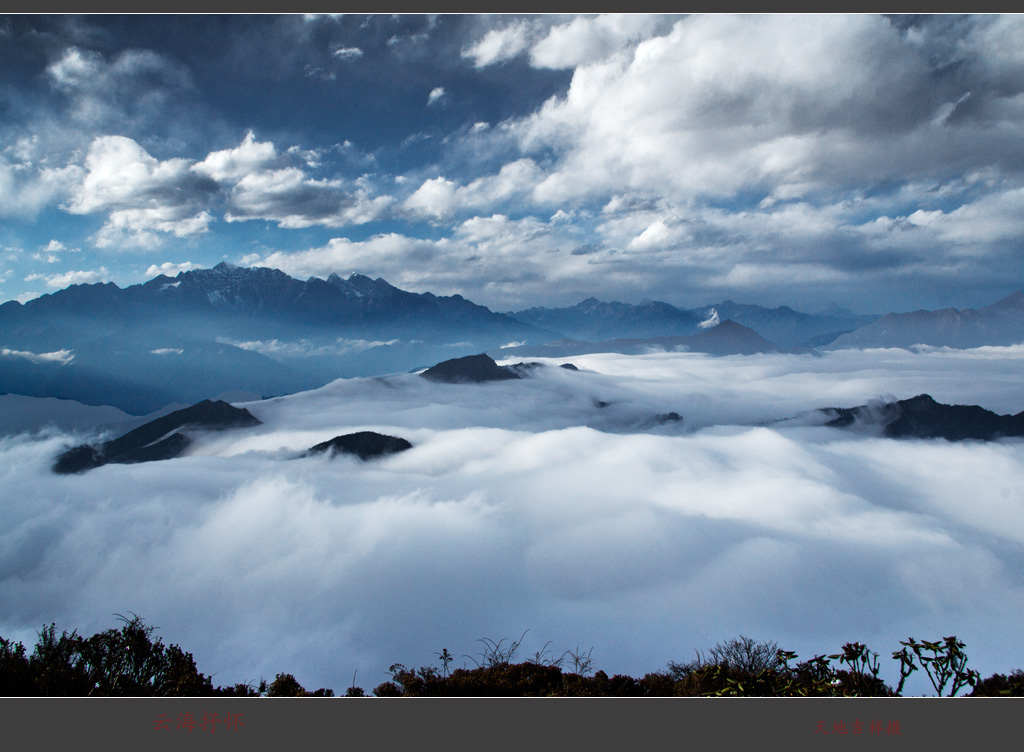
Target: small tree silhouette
943,661
495,654
446,658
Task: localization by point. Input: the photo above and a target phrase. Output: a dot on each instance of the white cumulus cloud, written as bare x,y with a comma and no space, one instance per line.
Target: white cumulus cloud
170,269
586,40
63,357
498,45
231,165
144,196
436,94
63,279
347,53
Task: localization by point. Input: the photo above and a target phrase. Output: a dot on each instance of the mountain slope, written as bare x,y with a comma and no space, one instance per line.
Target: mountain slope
160,439
922,417
472,369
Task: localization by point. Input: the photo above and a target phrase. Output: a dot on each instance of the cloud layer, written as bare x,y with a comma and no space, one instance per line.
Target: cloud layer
526,505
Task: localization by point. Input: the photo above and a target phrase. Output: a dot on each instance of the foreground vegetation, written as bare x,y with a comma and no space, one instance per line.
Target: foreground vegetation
131,662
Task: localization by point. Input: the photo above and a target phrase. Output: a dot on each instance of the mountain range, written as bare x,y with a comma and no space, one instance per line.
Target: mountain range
227,328
207,331
592,320
1001,323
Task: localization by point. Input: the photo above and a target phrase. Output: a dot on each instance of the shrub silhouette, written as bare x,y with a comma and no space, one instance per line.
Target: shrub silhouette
945,662
529,679
740,653
130,661
1000,685
58,665
15,673
285,685
743,669
125,662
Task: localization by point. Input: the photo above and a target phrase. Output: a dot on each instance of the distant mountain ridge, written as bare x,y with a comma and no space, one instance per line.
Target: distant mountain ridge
203,332
239,297
1001,323
592,320
787,327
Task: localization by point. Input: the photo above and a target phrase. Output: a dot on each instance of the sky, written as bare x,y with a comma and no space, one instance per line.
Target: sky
524,506
522,160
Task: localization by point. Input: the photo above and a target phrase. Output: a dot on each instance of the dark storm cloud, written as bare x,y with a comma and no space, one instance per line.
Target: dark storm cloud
289,198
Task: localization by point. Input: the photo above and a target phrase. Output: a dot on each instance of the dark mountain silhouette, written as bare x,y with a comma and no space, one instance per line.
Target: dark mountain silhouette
727,338
364,444
921,417
1001,323
470,369
159,439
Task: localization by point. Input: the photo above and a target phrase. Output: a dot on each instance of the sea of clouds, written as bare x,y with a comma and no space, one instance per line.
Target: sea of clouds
558,504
